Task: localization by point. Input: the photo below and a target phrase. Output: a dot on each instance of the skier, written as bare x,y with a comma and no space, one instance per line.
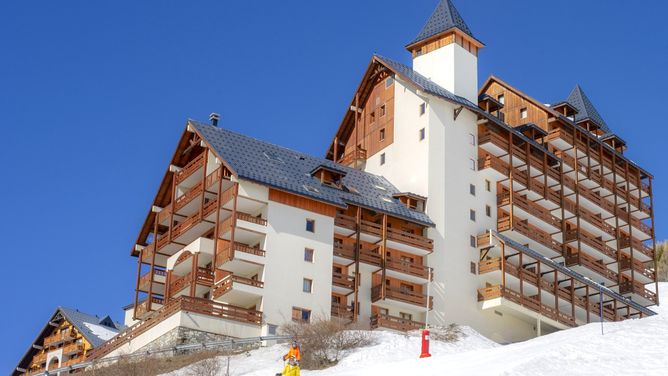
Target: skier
291,368
294,351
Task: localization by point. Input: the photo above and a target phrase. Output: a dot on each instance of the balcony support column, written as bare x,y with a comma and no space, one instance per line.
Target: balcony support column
141,253
383,256
152,269
577,200
587,302
235,193
216,230
206,160
195,270
651,211
573,298
358,229
168,282
503,265
511,169
628,210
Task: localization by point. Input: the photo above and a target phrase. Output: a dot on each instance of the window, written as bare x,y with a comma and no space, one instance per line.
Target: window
308,255
471,139
472,189
372,117
308,285
383,311
382,110
502,99
472,164
473,268
272,329
423,108
472,215
310,225
523,113
488,210
301,314
389,81
311,189
406,316
382,159
488,185
382,134
422,134
472,241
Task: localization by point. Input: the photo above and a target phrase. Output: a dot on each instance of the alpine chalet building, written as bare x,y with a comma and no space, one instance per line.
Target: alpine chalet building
438,201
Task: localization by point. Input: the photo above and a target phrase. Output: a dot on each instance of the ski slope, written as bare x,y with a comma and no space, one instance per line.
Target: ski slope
632,347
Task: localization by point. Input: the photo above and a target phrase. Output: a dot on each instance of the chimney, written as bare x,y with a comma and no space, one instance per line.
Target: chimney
214,117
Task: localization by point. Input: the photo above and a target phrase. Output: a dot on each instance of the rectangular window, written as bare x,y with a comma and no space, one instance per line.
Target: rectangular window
308,255
382,110
472,189
389,81
488,185
382,134
502,99
301,314
422,134
472,241
524,113
382,159
472,164
423,108
472,215
372,117
383,311
406,316
488,210
308,285
473,268
310,225
471,139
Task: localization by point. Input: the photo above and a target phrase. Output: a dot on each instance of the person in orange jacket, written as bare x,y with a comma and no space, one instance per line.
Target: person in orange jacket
294,351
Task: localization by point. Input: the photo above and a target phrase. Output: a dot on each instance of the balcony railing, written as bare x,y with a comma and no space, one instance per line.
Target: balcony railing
410,238
530,231
190,168
225,282
353,156
63,336
492,292
376,229
343,311
367,256
203,277
395,323
408,267
146,279
142,308
73,348
39,358
626,264
627,242
638,288
343,280
591,264
529,207
402,295
590,240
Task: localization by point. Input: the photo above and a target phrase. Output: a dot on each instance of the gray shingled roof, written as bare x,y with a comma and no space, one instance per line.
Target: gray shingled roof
586,110
444,18
80,319
289,170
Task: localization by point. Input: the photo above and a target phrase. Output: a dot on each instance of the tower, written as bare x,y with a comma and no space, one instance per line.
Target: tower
446,52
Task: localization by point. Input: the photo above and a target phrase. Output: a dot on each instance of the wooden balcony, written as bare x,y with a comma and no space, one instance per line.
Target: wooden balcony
225,282
145,280
190,168
628,287
628,242
367,256
639,267
394,323
203,277
63,336
73,348
39,358
529,207
73,361
401,295
409,238
530,231
495,163
341,311
376,230
225,252
343,280
488,266
142,308
353,158
590,263
407,267
590,240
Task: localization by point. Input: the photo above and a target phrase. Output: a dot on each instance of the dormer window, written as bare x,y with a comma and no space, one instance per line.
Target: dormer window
330,176
502,99
412,201
524,113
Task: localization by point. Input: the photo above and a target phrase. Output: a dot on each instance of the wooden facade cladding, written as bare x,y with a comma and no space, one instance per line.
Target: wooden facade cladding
568,191
302,202
64,337
443,39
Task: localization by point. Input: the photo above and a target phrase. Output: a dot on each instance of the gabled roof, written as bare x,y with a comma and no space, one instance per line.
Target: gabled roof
586,110
444,18
96,330
289,171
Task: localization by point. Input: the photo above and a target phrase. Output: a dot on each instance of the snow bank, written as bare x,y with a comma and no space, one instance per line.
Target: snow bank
101,331
632,347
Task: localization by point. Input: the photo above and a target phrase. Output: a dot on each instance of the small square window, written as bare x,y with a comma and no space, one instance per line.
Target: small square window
389,81
472,164
310,225
502,99
472,189
382,134
301,314
473,268
524,113
382,110
382,159
472,241
488,210
423,108
488,185
472,215
406,316
308,285
308,255
422,134
472,139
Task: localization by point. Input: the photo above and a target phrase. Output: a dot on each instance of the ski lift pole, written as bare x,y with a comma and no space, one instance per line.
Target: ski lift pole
425,332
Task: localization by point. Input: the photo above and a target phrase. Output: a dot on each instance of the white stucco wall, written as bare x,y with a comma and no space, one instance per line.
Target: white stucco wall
453,68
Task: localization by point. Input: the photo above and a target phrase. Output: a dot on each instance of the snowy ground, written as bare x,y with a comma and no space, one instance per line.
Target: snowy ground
632,347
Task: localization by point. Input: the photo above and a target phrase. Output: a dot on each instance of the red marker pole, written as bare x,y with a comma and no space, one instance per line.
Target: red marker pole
425,344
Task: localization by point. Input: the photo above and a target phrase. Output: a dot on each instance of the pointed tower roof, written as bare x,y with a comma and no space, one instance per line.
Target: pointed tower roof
444,18
586,110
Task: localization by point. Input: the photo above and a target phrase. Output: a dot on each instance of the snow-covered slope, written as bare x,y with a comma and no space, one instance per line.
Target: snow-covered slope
632,347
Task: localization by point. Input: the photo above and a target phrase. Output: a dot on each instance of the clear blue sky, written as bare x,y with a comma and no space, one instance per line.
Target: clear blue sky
93,97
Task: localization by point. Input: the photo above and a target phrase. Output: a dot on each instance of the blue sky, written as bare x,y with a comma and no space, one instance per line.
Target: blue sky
94,96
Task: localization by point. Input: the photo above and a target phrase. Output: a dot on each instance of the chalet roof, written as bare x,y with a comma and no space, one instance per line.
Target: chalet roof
289,170
586,110
444,18
96,330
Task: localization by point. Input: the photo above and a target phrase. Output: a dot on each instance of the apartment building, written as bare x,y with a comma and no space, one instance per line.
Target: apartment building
66,339
437,202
